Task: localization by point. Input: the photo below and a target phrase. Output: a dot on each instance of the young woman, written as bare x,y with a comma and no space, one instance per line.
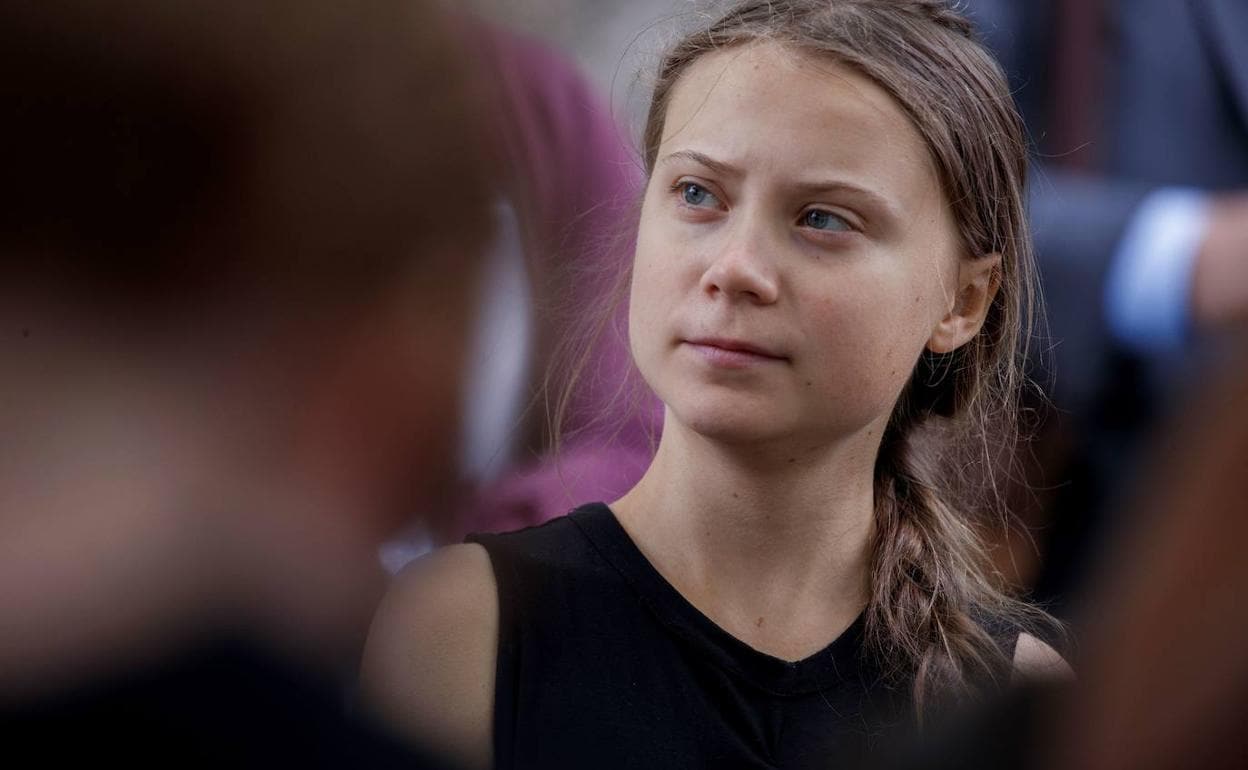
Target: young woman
829,290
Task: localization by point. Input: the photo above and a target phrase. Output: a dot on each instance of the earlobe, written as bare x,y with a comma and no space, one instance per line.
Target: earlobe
978,281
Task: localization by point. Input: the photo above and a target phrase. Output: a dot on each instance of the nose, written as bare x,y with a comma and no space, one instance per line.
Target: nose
745,267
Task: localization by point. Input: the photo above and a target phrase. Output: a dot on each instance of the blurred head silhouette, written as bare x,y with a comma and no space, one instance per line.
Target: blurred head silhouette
236,244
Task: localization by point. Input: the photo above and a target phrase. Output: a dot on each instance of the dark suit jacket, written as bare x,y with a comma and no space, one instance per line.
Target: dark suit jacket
1172,79
1174,112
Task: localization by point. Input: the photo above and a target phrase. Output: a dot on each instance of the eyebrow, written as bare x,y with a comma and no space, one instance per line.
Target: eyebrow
718,167
872,198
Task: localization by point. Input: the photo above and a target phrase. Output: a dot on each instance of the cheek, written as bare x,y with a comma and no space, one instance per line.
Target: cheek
867,345
643,310
654,291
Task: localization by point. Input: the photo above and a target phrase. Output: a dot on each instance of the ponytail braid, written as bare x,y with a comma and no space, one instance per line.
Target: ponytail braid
927,579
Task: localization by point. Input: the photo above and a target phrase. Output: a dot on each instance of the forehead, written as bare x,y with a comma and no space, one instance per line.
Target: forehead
766,107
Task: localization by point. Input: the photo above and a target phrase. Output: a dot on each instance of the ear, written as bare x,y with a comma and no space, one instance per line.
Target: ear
978,281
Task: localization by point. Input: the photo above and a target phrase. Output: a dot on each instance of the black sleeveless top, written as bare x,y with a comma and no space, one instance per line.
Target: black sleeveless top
603,664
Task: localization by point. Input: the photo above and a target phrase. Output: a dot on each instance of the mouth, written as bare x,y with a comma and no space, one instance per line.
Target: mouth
734,353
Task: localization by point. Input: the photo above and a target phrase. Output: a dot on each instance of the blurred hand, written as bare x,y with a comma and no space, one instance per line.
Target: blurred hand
1220,283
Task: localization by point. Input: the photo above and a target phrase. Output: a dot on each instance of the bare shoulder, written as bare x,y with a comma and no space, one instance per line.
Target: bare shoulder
1037,661
428,668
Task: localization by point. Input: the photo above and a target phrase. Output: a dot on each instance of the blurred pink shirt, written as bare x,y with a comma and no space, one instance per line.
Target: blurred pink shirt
575,186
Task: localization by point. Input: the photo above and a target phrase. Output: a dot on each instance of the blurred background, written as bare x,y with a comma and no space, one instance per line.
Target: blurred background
1138,111
610,41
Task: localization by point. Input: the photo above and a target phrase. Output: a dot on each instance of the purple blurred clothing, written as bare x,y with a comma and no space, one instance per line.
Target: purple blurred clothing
575,186
544,490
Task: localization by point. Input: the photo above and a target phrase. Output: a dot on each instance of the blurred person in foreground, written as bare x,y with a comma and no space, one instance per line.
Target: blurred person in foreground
1166,675
238,241
1139,113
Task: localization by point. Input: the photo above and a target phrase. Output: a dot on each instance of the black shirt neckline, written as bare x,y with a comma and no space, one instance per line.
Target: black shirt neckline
822,670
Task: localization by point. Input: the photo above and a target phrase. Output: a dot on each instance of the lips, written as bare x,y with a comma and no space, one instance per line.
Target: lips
733,351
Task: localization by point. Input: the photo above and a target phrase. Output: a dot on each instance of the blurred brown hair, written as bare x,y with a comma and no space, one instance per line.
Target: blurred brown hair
160,153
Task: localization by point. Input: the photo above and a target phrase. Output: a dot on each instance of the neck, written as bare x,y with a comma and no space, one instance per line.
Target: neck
771,541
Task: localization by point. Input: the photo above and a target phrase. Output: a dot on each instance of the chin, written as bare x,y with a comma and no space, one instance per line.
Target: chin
736,418
738,435
733,424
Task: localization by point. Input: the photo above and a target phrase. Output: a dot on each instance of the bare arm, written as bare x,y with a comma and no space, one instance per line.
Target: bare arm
1036,661
428,668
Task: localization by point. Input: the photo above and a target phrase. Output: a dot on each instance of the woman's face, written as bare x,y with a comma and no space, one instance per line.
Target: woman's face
795,251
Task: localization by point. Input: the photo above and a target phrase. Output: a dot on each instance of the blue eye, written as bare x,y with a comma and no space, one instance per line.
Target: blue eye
818,219
696,195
